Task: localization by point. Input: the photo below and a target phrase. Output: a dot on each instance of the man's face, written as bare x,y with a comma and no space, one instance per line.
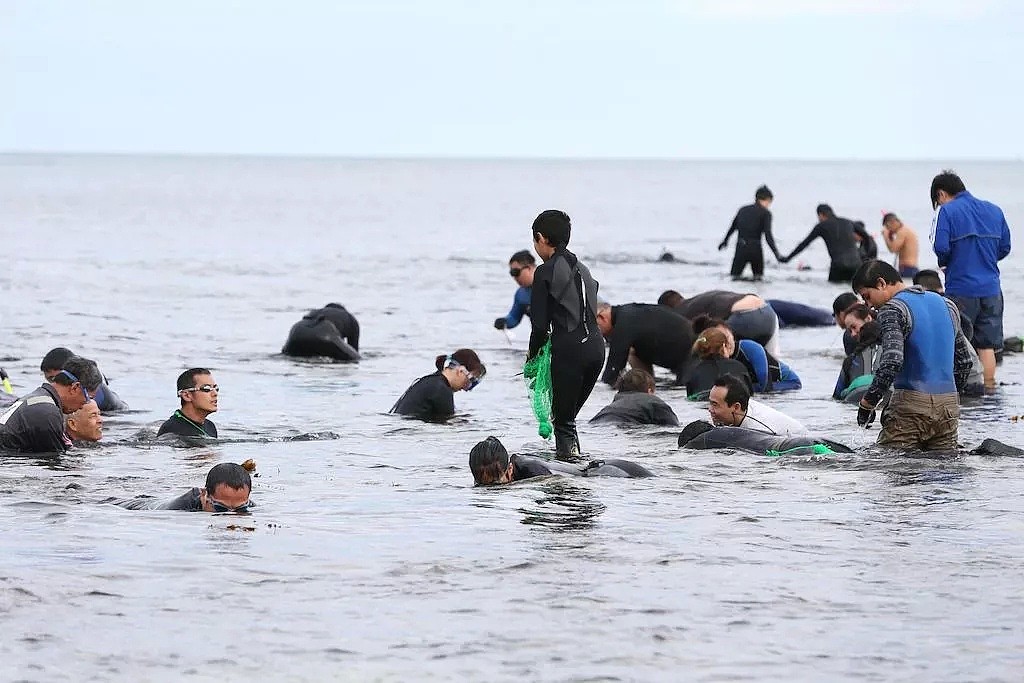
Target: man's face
604,321
224,498
203,394
873,296
87,422
722,415
893,224
522,273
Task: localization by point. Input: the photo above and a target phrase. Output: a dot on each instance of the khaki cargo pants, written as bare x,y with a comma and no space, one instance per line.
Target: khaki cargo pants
916,420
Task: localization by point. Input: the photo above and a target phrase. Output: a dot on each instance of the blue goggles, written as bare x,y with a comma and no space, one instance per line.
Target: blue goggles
85,392
473,380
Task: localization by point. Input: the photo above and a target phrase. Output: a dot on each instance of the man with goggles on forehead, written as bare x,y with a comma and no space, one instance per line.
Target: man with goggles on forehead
198,394
35,422
227,489
520,267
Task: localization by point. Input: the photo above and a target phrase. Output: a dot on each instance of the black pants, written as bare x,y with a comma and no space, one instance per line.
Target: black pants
839,272
575,366
748,252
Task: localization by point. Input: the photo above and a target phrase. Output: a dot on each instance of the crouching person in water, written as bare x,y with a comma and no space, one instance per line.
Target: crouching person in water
432,398
227,489
636,404
491,464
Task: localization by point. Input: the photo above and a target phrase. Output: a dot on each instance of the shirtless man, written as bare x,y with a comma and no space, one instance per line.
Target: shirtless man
901,240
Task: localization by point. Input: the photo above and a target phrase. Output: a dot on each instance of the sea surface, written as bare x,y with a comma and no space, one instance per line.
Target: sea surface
371,556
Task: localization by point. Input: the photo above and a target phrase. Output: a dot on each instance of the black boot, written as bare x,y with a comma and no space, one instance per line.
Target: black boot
567,443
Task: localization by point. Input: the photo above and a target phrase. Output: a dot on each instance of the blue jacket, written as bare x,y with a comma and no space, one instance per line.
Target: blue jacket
520,307
970,236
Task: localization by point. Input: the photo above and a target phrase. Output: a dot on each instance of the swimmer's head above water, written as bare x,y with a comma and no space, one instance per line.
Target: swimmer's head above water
463,369
86,423
490,463
227,489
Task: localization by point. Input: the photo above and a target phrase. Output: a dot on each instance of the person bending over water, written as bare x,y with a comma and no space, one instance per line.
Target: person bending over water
491,464
712,348
749,315
730,405
839,240
105,398
636,404
645,335
330,332
199,396
764,372
432,398
85,424
520,267
227,489
563,307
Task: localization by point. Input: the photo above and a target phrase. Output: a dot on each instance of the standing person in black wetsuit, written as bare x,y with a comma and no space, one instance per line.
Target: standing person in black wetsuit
645,335
432,398
563,306
839,240
750,223
199,395
491,464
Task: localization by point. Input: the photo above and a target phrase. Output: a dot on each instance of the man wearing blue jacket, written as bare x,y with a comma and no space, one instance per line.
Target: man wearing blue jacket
520,267
970,236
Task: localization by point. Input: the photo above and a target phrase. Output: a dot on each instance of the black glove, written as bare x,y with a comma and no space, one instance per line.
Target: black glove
865,416
500,323
784,259
723,245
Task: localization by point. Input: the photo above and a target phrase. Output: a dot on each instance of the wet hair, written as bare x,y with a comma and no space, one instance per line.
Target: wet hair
859,311
889,217
335,305
554,225
871,272
842,302
87,372
670,298
763,193
187,379
710,344
825,210
55,359
693,430
705,322
487,460
635,380
948,182
736,391
868,336
929,279
524,257
467,358
229,474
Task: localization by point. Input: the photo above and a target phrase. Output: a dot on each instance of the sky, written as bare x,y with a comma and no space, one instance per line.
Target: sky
798,79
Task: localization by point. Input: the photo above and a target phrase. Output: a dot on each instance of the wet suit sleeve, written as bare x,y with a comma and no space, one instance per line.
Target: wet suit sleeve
813,235
729,232
49,437
540,311
618,354
520,304
940,237
766,228
894,328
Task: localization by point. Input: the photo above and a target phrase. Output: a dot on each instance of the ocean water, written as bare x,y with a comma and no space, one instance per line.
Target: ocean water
371,556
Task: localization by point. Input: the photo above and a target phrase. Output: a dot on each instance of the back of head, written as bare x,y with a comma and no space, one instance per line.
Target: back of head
948,182
736,390
487,460
187,379
825,210
334,305
842,302
84,370
704,322
710,344
635,380
670,298
55,359
467,358
524,257
763,193
930,280
229,474
870,272
554,225
693,430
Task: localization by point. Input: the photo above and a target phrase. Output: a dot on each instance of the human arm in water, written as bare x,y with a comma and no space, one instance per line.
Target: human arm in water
811,236
520,305
729,232
618,355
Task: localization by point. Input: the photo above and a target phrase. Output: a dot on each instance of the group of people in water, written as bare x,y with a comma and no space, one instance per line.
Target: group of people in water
911,351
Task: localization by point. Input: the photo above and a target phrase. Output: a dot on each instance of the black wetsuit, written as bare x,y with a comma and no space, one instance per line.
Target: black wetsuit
183,426
429,398
637,408
526,467
108,401
190,501
331,331
717,303
34,423
757,442
867,246
658,335
842,247
751,222
563,303
703,375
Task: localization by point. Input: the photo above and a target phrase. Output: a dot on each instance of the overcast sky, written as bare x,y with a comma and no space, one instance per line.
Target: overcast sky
937,79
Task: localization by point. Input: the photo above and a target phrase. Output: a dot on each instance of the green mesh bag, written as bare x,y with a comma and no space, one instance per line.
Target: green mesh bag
537,373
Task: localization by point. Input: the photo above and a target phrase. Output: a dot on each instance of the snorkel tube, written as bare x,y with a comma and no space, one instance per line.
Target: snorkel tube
5,382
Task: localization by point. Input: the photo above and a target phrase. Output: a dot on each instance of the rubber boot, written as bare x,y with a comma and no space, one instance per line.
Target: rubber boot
567,445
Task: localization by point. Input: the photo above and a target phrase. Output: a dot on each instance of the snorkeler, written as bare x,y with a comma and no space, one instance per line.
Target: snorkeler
432,397
491,464
227,489
199,397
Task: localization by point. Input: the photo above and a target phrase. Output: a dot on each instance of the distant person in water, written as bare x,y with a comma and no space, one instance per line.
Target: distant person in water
712,350
843,247
85,424
563,308
751,223
839,306
520,267
491,465
432,398
901,240
35,422
730,405
749,315
198,394
329,332
644,336
105,398
636,404
228,488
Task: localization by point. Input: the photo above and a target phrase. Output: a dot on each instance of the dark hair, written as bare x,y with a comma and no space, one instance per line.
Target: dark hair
871,272
710,344
670,298
736,391
842,302
555,225
87,372
187,379
948,182
335,305
868,336
859,311
467,358
889,217
693,430
524,257
487,460
825,210
635,380
705,322
763,193
55,358
929,279
230,474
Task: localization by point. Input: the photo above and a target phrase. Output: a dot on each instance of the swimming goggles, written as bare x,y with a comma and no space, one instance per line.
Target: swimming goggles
221,507
205,388
514,272
473,380
85,392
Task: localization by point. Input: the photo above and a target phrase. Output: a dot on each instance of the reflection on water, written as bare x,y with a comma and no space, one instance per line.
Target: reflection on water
563,506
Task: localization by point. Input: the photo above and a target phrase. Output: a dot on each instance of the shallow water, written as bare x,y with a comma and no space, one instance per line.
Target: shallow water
370,555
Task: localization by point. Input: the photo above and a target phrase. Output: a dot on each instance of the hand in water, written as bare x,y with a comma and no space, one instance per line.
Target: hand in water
722,246
865,416
500,324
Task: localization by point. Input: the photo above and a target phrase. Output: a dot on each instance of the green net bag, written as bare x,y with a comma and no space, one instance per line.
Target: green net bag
537,373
